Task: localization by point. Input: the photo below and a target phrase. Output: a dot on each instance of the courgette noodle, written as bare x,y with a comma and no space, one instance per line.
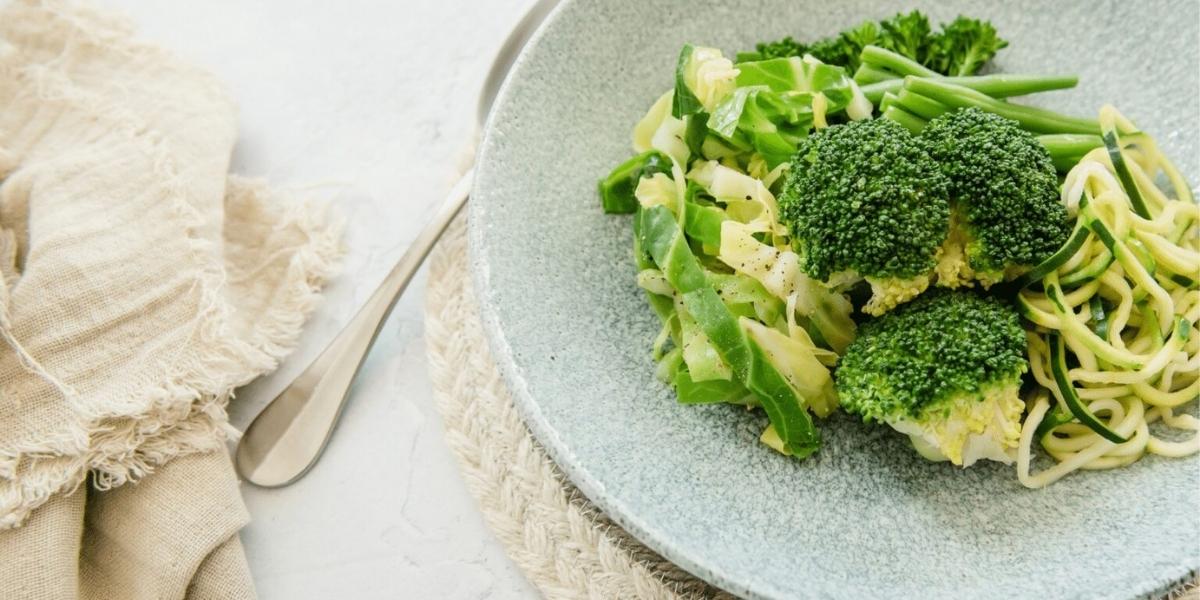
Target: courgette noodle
1113,338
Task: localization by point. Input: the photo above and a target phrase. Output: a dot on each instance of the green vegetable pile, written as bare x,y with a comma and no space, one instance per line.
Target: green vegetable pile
850,221
961,47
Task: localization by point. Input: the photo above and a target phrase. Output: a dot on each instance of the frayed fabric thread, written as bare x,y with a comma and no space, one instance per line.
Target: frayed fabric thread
84,102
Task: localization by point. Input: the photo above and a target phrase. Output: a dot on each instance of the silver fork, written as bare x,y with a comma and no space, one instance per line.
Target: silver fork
285,440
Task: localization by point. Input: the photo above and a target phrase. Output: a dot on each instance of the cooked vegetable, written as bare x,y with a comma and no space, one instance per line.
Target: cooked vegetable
617,190
865,201
960,47
741,323
1118,347
826,311
747,355
996,86
703,77
946,370
1089,226
1003,196
777,102
1032,119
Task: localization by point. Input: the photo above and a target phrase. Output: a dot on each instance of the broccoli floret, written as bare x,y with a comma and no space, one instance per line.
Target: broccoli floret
846,48
962,47
864,200
909,34
1003,193
946,370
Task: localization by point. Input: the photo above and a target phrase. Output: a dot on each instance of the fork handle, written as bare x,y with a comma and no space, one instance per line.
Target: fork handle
285,440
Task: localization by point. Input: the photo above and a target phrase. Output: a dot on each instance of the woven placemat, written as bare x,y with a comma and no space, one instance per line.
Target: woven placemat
563,544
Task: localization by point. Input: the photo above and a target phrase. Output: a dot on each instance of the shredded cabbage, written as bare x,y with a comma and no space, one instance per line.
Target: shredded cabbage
740,322
710,76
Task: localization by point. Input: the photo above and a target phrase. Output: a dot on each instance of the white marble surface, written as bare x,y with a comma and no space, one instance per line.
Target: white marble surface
375,101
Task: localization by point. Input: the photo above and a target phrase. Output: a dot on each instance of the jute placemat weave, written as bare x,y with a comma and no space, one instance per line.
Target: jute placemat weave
563,544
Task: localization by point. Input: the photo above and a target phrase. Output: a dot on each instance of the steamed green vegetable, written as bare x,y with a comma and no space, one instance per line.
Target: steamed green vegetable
617,190
779,101
865,200
1032,119
946,370
744,354
959,48
996,86
1003,193
806,208
703,76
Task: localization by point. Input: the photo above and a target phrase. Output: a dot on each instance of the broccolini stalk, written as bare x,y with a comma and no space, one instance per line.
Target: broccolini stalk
911,122
1066,149
867,74
935,94
920,100
1033,119
919,105
886,100
891,62
996,86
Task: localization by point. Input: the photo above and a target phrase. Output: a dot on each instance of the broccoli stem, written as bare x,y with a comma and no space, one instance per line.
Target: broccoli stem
1036,120
866,74
910,121
996,86
887,60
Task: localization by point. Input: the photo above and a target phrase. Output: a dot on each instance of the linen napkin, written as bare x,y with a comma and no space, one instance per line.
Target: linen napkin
139,285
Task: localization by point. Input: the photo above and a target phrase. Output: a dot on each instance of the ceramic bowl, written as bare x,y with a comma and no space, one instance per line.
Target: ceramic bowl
866,516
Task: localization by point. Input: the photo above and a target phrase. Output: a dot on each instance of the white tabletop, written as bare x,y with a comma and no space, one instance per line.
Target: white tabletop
375,101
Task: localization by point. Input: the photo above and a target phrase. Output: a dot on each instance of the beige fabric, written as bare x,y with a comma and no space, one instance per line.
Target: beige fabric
139,285
562,543
149,539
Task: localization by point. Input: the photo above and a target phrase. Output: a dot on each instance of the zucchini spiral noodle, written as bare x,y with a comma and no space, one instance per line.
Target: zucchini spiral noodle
1113,340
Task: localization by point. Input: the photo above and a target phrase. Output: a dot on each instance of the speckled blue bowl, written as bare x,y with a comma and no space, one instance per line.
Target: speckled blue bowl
865,517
